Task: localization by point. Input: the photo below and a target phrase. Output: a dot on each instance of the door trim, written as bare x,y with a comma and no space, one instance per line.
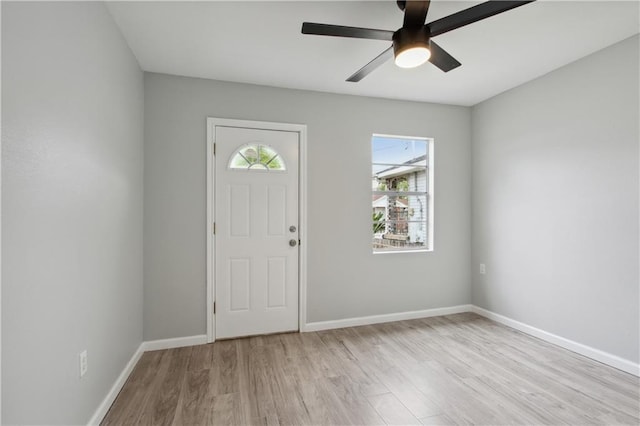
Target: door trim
301,129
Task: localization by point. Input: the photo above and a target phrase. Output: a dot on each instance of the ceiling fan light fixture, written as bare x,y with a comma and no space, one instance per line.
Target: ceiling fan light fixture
412,57
411,47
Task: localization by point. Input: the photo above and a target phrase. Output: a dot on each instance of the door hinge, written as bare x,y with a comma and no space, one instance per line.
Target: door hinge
214,148
214,308
214,228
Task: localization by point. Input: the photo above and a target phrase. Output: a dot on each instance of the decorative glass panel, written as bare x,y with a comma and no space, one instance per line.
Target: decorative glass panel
254,156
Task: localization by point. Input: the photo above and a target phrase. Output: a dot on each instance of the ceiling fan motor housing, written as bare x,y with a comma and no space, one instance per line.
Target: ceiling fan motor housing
409,38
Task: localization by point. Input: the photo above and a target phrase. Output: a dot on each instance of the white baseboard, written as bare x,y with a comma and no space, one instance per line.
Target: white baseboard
593,353
178,342
152,345
378,319
104,406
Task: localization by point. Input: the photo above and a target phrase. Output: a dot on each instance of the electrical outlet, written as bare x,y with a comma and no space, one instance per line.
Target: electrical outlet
83,363
483,269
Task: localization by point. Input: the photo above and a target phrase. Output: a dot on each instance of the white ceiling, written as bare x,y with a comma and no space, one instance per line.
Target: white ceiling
260,43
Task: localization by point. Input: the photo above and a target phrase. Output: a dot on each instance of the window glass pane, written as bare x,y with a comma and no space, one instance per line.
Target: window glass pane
401,218
398,151
239,162
399,184
256,157
250,153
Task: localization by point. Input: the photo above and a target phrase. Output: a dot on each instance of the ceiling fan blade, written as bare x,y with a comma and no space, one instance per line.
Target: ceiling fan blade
415,12
441,59
471,15
340,31
367,69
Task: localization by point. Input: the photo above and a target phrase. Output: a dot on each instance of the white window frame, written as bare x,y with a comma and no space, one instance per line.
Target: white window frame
429,194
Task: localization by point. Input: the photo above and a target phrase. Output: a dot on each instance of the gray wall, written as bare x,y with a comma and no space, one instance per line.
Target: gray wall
555,201
345,278
72,141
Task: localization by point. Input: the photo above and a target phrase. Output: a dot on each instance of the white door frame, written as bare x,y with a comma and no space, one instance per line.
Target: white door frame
301,129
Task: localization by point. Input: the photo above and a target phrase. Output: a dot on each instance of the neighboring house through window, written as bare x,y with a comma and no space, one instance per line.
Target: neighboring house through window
402,186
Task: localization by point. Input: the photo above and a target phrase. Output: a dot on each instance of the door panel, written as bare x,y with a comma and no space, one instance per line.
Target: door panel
277,282
276,206
239,284
256,216
239,208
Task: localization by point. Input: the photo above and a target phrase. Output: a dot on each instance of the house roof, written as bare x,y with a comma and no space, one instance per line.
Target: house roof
416,164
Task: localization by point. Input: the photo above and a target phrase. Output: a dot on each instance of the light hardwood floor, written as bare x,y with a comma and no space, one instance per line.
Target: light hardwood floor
456,369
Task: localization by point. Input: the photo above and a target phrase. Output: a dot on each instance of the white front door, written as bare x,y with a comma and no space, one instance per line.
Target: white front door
256,231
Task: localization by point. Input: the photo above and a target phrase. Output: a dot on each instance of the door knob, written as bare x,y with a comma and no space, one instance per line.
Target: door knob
293,243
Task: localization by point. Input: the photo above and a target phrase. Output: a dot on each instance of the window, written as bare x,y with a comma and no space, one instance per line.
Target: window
402,187
254,156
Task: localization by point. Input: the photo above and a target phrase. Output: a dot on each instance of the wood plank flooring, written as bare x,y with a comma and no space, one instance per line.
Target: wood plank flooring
456,369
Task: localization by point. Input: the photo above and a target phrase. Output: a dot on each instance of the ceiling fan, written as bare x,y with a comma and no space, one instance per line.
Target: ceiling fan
412,43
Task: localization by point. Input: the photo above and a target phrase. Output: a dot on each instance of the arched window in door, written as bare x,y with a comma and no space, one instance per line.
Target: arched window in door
255,156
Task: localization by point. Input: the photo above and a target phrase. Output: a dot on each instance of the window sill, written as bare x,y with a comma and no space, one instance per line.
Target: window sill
402,251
